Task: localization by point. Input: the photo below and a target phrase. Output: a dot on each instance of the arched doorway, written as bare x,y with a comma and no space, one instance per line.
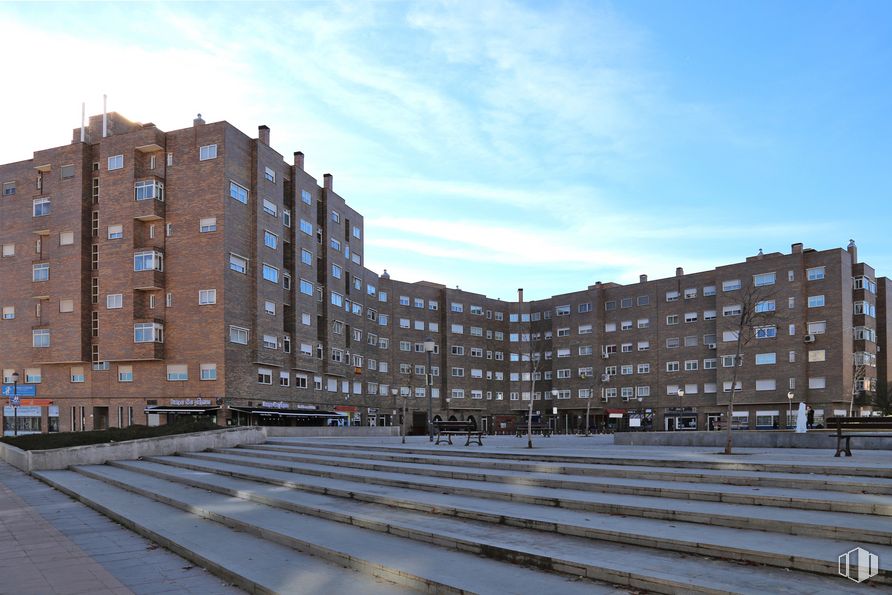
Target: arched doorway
452,418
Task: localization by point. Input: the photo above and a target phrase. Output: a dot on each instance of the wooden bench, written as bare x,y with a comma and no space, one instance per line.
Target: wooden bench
857,427
447,429
543,429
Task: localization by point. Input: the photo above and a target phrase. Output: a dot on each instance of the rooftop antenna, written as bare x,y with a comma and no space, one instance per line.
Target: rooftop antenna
104,116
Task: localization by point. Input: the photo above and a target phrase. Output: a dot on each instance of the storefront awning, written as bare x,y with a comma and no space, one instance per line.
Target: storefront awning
176,409
287,412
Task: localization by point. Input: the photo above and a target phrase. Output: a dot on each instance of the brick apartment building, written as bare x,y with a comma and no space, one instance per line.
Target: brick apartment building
147,274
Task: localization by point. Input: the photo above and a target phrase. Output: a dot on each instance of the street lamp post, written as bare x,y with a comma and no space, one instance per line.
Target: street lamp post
394,392
429,348
15,407
790,396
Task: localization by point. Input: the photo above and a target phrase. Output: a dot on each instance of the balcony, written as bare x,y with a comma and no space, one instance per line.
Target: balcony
149,198
148,280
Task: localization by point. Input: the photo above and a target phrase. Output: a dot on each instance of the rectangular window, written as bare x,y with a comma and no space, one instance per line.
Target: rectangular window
148,332
207,152
264,376
763,359
238,335
690,317
270,208
815,301
208,371
115,232
8,312
40,207
270,342
269,174
207,296
125,373
817,355
115,162
672,319
8,188
764,279
148,190
765,332
114,300
672,296
207,225
148,261
177,373
815,274
731,285
270,240
817,382
238,264
40,272
765,306
238,192
40,337
9,250
817,328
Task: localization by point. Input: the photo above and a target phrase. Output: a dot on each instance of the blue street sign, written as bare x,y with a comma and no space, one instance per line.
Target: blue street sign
22,390
14,400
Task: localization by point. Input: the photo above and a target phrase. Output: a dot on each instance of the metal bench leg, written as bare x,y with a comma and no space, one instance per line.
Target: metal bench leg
848,446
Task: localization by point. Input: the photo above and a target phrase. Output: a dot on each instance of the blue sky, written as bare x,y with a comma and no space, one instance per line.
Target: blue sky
496,145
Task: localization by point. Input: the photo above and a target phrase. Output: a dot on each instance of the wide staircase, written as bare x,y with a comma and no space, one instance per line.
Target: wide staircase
317,516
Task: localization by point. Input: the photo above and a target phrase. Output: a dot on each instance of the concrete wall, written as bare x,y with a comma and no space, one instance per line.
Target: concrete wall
749,439
97,454
326,432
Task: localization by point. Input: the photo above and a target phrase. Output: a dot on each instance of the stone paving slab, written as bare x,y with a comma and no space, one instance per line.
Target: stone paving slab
136,564
259,565
785,497
453,569
737,515
660,565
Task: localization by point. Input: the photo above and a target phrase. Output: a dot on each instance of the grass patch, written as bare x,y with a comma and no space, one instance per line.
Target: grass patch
67,439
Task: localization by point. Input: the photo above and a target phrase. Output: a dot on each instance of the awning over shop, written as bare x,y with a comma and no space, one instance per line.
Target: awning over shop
178,409
616,413
287,412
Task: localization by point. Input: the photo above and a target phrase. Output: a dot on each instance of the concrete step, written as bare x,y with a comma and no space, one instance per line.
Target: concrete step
254,564
834,525
802,480
449,566
750,546
659,570
642,485
674,459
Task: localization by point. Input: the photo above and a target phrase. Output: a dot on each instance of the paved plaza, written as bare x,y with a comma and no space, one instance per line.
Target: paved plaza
372,515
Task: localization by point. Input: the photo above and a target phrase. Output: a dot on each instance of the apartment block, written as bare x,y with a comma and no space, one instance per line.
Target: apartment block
150,274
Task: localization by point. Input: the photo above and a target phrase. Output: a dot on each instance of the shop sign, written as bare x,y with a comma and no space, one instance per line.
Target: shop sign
373,410
22,411
274,404
22,390
189,402
306,407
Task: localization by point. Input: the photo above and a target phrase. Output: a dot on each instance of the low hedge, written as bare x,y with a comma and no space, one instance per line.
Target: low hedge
67,439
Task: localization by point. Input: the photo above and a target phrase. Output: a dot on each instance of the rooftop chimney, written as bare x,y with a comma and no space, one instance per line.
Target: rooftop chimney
679,272
520,294
796,248
328,182
299,160
197,121
853,251
642,278
263,134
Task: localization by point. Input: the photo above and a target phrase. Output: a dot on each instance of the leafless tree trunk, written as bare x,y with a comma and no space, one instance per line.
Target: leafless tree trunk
754,312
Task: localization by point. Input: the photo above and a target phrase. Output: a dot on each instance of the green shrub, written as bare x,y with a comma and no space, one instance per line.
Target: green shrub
67,439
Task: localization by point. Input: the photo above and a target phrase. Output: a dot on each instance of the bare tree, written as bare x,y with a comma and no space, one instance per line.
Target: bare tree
535,358
602,380
859,374
757,319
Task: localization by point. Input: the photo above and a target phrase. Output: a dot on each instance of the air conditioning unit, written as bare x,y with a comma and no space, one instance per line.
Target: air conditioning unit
809,339
711,346
605,356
